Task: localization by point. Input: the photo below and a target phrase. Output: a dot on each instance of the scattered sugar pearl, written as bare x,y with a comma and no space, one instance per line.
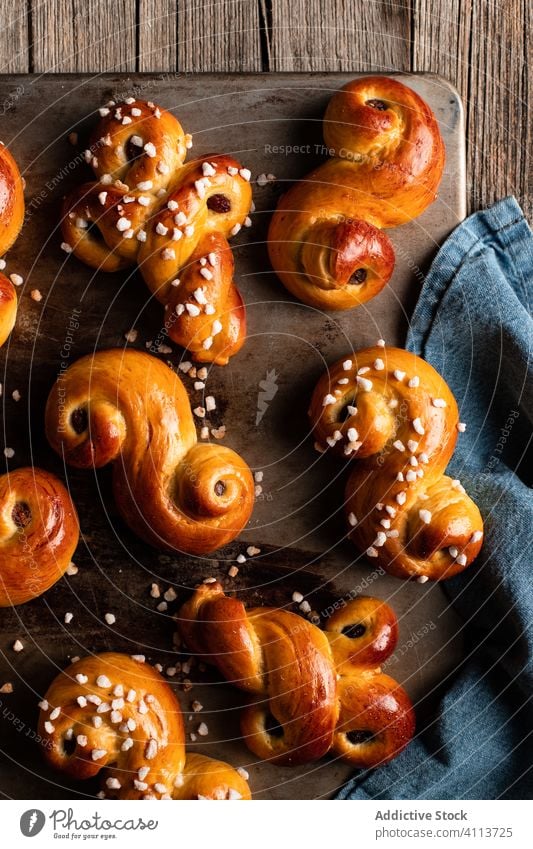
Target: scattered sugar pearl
233,571
462,559
6,688
81,678
110,618
422,579
103,681
425,516
241,559
401,497
352,519
398,374
297,597
418,426
379,365
36,295
16,279
364,383
123,224
49,728
476,536
372,552
438,402
68,618
202,729
18,646
151,749
461,427
98,754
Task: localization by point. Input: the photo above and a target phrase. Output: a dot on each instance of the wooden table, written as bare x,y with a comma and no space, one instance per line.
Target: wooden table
479,45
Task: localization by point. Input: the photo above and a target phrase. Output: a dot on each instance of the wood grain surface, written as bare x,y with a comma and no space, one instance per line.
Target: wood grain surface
481,46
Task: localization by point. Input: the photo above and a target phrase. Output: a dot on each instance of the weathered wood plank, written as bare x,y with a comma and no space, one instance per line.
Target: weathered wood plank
14,44
353,35
219,36
157,22
99,36
499,128
482,49
441,41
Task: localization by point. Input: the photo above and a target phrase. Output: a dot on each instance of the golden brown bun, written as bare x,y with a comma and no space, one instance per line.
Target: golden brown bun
312,691
325,240
8,308
174,220
11,218
39,533
403,510
129,407
116,715
11,200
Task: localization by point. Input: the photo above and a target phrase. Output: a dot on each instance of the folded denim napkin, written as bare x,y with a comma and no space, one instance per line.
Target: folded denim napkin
473,324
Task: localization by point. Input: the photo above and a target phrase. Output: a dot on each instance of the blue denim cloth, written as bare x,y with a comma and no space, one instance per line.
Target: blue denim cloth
473,324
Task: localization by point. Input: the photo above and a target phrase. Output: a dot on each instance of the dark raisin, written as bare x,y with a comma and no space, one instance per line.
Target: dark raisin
359,275
21,514
273,727
69,746
357,737
353,631
79,420
377,104
132,151
345,414
93,231
218,203
220,488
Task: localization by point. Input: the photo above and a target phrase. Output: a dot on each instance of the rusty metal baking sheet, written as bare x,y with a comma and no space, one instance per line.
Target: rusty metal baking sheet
273,125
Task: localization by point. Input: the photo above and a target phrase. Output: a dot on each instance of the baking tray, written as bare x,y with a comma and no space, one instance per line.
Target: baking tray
262,398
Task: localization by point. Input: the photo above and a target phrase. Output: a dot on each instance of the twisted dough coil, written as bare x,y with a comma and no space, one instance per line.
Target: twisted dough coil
113,714
130,409
174,220
39,533
8,308
395,416
11,218
325,240
312,691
